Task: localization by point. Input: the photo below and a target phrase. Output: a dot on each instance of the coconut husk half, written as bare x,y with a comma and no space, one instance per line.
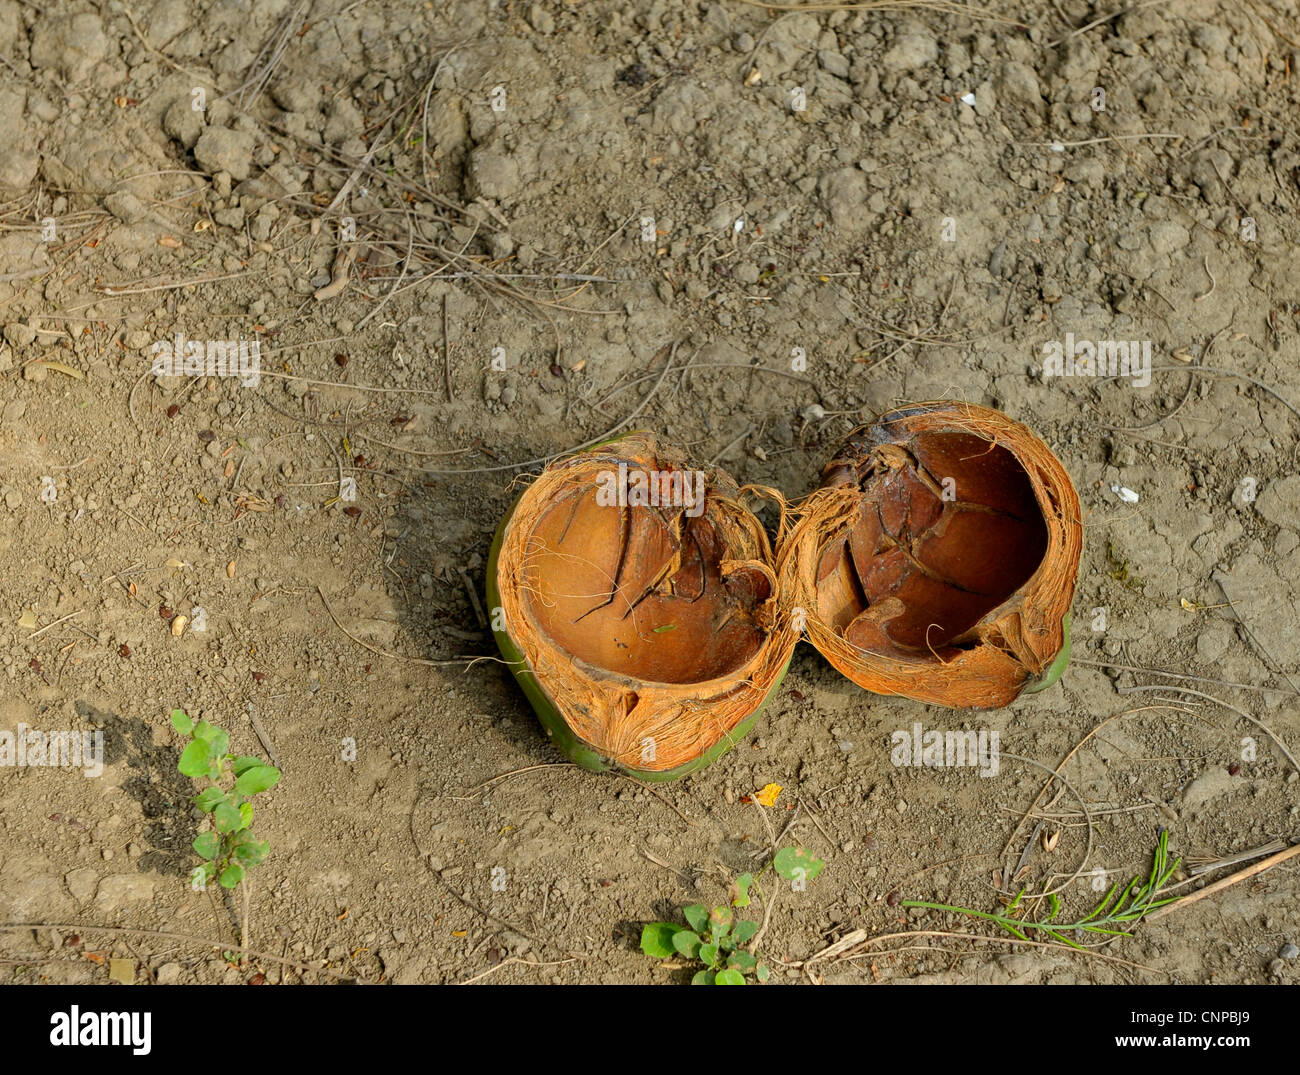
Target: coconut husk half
645,626
938,558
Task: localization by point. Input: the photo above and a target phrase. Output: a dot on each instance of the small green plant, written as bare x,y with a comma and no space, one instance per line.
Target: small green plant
228,849
1136,899
717,937
714,937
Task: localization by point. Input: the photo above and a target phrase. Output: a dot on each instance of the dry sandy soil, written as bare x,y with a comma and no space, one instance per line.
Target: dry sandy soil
819,181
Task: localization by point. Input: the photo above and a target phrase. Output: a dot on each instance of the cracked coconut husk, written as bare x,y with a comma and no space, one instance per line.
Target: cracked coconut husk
647,636
936,561
938,558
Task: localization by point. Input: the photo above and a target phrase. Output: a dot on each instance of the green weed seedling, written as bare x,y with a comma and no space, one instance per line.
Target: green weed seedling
1135,900
228,849
717,938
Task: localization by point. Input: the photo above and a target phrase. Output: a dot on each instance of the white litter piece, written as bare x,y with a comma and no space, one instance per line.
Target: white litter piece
968,99
1124,493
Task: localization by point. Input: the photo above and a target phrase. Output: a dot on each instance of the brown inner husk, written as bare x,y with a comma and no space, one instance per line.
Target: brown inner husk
642,623
956,601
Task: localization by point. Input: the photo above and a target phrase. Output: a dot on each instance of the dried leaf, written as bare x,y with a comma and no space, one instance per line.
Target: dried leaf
66,370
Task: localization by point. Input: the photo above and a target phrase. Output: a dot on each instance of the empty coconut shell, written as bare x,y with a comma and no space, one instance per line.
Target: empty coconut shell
636,601
938,558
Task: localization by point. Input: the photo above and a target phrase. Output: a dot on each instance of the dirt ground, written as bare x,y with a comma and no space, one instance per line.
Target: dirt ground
525,208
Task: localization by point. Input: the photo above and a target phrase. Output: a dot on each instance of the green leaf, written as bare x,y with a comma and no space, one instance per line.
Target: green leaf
708,955
741,961
657,939
231,875
762,973
208,799
796,863
207,846
703,977
687,943
720,919
1111,932
258,778
226,818
729,977
665,627
243,763
1103,904
743,931
698,916
245,815
205,731
218,741
181,721
741,898
251,852
1063,939
194,759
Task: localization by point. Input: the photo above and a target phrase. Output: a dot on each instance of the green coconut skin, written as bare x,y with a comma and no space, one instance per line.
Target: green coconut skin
559,731
1057,668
